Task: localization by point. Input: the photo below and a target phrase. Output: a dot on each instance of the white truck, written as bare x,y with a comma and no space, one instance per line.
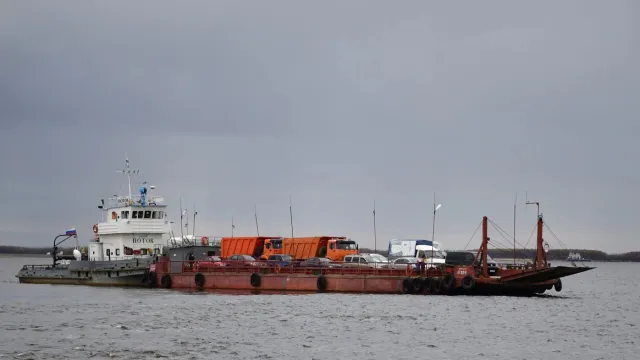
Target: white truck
407,247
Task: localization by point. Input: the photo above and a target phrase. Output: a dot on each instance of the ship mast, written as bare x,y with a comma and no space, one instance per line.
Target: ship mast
540,260
127,170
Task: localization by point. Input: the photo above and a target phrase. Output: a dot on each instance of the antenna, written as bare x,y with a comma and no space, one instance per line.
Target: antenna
291,215
127,170
433,225
232,226
375,233
193,227
514,228
532,202
255,213
182,213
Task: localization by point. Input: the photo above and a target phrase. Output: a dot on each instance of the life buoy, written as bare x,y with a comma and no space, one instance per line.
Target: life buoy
255,279
558,285
277,268
95,228
204,241
165,281
407,286
321,283
468,282
199,280
409,270
151,280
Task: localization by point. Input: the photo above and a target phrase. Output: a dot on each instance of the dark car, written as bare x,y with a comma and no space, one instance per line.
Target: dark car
282,260
467,258
243,261
318,262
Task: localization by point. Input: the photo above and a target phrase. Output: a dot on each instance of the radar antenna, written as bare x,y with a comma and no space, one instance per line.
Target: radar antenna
127,170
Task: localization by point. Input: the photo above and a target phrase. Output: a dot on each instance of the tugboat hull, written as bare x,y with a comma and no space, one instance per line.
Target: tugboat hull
97,273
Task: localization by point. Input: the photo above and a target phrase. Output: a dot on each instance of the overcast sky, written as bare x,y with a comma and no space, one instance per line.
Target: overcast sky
335,103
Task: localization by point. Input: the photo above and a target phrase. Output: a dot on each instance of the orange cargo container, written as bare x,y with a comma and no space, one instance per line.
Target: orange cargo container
253,246
333,247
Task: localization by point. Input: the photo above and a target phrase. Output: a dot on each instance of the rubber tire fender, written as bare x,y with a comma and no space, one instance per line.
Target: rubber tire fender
321,283
426,286
255,280
165,281
199,280
448,284
418,285
151,279
558,285
468,283
436,286
407,286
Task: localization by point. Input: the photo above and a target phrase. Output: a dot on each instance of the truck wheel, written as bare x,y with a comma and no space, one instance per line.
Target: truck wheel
322,252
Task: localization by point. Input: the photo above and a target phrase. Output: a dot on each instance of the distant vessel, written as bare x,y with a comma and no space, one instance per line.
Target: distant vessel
576,257
123,248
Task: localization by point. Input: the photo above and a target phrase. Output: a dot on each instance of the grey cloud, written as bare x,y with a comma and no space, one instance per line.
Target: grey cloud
227,104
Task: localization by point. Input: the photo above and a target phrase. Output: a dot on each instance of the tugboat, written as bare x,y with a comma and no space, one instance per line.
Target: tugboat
576,257
124,246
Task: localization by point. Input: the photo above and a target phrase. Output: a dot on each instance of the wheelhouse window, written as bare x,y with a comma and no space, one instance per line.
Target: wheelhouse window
124,214
140,214
346,245
117,252
147,214
154,215
134,214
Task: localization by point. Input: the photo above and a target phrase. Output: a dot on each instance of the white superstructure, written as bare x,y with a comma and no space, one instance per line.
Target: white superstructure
132,226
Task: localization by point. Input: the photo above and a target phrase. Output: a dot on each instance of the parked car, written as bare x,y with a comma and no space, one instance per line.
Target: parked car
208,263
402,263
360,260
379,258
318,262
467,257
243,261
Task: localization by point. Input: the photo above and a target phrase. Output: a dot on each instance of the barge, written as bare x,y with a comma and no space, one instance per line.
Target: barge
475,279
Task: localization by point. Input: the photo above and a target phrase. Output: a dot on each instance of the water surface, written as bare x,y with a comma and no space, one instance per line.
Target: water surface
594,317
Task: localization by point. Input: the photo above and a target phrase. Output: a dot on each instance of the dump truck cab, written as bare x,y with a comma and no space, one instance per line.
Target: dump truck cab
272,246
339,247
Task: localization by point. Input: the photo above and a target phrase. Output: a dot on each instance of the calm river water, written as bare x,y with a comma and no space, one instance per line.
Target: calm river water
596,316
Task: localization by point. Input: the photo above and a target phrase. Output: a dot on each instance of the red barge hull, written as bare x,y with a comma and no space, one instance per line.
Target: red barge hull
526,280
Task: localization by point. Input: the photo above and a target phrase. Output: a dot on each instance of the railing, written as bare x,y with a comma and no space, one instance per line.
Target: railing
122,201
41,267
300,267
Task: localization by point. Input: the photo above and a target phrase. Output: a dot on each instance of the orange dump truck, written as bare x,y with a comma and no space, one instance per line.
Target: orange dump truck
333,247
253,246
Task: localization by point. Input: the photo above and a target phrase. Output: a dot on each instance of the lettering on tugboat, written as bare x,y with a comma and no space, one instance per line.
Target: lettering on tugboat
142,240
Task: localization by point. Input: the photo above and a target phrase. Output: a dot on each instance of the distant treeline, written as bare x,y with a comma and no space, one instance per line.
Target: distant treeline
554,254
595,255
